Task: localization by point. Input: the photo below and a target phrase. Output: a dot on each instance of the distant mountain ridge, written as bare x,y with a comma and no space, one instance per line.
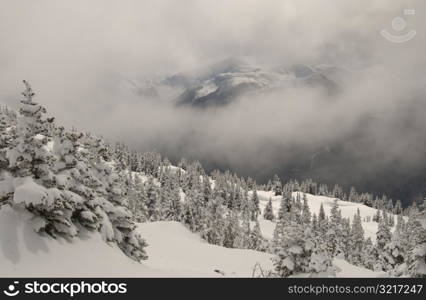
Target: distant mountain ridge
222,83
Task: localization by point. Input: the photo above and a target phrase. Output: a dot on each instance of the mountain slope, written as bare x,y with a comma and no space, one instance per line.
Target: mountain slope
173,252
349,209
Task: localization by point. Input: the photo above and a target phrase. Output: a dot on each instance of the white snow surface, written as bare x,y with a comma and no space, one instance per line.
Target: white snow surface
173,252
345,269
24,253
173,248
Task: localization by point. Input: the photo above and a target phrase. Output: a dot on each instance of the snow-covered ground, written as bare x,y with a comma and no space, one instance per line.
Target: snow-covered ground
173,248
173,252
349,209
25,253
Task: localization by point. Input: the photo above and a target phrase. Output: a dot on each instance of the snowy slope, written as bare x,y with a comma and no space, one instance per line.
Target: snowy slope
173,248
345,269
173,252
25,253
349,209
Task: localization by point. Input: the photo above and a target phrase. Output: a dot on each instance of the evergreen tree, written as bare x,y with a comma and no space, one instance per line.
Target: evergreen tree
322,221
294,250
31,162
140,209
377,217
334,238
153,203
320,262
416,255
383,237
232,230
306,213
369,254
214,224
276,185
255,204
257,242
353,195
356,240
394,252
315,223
268,213
243,239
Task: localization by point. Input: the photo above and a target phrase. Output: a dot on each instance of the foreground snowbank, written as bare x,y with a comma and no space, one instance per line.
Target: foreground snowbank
25,253
172,247
173,252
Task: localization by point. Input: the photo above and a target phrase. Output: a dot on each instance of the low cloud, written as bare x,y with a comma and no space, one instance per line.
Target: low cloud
79,55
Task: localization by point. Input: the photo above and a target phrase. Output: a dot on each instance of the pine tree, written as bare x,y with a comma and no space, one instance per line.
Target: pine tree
276,185
243,239
353,195
255,204
284,216
306,213
320,262
294,250
7,134
377,217
383,237
268,213
257,242
193,210
398,207
214,224
356,240
322,221
140,210
232,230
315,223
207,189
153,200
64,179
369,254
31,162
416,254
334,238
394,252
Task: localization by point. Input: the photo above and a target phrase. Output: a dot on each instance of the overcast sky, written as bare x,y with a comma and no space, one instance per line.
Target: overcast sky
76,53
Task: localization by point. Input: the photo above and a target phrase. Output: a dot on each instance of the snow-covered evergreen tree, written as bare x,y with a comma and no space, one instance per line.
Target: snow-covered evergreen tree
232,230
64,180
306,213
153,203
268,213
257,242
383,237
334,238
356,240
320,263
416,252
394,252
277,185
214,223
255,210
294,251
